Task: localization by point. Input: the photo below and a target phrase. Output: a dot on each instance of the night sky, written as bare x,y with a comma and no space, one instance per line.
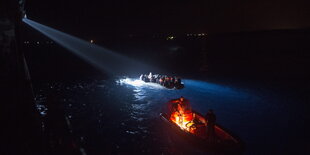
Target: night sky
95,17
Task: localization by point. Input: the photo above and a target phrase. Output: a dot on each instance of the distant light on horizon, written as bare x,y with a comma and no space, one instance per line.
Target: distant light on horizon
170,37
196,34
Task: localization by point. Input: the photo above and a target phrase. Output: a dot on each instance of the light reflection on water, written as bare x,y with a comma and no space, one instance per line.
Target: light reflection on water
138,84
135,106
233,106
151,98
203,95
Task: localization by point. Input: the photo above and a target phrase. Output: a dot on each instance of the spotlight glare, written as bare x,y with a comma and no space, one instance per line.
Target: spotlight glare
100,57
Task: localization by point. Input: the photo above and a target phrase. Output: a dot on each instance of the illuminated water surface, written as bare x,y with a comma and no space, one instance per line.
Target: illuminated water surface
122,115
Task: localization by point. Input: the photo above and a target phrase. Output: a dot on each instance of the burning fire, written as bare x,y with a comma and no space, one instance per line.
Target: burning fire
182,115
184,121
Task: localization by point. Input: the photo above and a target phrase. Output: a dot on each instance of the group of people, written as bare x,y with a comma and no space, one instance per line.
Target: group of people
164,80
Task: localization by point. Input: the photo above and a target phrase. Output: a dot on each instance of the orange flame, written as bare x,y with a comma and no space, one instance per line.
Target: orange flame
183,120
182,115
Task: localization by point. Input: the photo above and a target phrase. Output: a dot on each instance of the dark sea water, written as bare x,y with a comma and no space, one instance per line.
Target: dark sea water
121,115
257,84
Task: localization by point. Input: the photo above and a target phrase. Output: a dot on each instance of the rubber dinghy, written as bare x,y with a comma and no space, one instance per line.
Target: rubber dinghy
170,82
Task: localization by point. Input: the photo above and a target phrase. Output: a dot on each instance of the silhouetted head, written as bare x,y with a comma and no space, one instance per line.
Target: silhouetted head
181,98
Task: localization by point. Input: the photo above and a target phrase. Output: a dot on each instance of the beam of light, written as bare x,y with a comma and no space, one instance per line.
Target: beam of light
133,82
208,88
102,58
138,83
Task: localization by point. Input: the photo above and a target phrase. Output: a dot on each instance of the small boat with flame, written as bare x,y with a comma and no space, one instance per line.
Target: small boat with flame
194,127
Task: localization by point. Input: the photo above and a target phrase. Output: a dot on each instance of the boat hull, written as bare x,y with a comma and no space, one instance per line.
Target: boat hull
180,86
229,145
